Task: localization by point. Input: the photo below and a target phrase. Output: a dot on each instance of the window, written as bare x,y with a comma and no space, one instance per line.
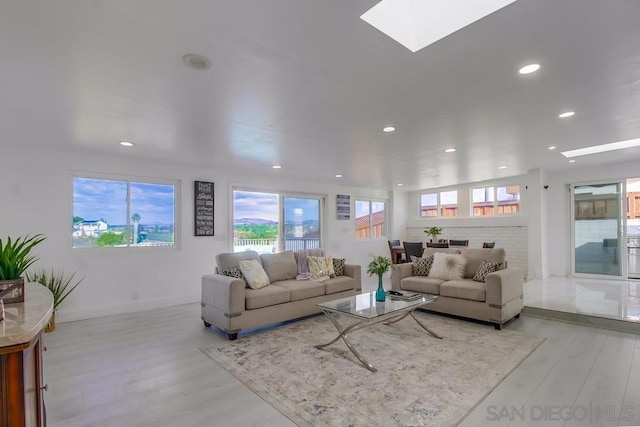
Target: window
444,203
121,213
487,201
271,222
370,221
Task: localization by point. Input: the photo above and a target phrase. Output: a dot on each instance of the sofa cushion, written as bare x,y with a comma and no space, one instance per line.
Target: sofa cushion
421,266
447,266
227,261
321,266
338,266
265,297
301,289
475,256
422,284
338,284
485,268
234,272
254,274
280,266
464,289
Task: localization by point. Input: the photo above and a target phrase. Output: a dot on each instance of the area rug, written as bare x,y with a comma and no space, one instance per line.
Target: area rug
421,380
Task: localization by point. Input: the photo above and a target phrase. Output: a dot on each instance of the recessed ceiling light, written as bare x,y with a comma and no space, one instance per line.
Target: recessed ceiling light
399,184
553,147
276,167
127,144
338,176
566,114
416,24
388,129
502,167
572,161
528,69
450,150
620,145
196,62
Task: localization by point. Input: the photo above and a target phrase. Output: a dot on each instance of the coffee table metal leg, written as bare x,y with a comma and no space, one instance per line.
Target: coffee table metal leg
424,327
343,335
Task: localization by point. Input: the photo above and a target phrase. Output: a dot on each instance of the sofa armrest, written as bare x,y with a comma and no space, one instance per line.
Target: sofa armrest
399,272
504,285
224,293
354,271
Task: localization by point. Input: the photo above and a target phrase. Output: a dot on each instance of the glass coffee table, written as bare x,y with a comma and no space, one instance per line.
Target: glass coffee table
368,312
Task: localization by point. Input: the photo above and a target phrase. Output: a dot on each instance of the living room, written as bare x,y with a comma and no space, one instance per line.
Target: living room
71,98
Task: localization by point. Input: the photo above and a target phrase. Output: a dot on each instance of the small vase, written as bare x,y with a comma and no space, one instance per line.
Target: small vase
380,293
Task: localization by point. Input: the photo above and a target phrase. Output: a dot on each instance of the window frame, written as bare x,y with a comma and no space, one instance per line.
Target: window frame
370,200
439,205
495,202
129,179
281,196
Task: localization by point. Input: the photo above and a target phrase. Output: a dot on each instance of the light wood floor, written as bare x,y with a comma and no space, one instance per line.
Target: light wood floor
146,369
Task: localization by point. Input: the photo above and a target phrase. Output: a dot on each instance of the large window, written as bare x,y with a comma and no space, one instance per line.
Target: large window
487,201
444,203
122,213
273,222
370,219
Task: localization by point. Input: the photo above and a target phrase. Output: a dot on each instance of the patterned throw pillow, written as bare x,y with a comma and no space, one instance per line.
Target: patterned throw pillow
338,266
485,268
254,274
234,272
421,266
321,266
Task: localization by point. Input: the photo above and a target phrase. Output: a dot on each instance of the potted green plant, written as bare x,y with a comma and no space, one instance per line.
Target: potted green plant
15,258
59,283
434,232
379,266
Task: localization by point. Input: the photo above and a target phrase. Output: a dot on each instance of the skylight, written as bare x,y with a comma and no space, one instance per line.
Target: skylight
620,145
419,23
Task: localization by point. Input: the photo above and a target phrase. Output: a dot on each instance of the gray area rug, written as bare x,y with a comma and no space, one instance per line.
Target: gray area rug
420,381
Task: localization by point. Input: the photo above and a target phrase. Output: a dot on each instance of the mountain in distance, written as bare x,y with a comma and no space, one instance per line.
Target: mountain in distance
254,221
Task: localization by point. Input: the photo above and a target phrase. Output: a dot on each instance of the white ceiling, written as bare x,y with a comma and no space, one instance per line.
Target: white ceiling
308,85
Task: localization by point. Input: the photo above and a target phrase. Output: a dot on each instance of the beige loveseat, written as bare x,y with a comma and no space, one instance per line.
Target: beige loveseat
231,306
497,300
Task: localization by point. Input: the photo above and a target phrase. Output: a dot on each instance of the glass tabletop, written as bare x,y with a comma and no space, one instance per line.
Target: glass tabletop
366,306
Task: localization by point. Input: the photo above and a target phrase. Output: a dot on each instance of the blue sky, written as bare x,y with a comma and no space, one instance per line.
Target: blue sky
97,198
265,206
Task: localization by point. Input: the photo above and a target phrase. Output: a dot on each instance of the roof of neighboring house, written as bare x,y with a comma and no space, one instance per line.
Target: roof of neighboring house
363,221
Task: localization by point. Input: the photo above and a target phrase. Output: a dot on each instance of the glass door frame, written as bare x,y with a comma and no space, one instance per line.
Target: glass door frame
321,215
622,234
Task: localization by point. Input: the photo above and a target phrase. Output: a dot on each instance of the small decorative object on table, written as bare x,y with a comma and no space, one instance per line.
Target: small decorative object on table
434,232
15,258
379,266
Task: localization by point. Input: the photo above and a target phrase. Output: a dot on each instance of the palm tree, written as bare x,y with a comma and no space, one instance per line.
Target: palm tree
136,221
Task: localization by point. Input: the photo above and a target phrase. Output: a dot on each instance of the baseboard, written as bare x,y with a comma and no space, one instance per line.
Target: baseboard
583,319
63,315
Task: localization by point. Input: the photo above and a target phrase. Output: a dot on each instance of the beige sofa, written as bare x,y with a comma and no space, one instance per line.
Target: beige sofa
232,307
497,300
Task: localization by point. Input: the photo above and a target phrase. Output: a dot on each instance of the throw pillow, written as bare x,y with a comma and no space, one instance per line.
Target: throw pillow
447,266
421,266
485,268
338,266
234,272
321,266
254,274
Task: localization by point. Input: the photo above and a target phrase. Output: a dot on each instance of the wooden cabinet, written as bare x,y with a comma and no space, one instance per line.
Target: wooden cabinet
21,380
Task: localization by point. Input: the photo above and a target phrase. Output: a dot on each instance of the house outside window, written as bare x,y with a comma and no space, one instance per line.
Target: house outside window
489,201
370,219
444,203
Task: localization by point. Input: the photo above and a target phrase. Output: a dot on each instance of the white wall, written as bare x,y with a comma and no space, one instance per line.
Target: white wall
36,193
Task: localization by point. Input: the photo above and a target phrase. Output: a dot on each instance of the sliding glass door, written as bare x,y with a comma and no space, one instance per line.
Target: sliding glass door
597,228
274,222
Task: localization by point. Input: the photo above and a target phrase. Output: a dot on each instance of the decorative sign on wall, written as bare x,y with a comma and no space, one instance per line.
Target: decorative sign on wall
203,209
343,206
